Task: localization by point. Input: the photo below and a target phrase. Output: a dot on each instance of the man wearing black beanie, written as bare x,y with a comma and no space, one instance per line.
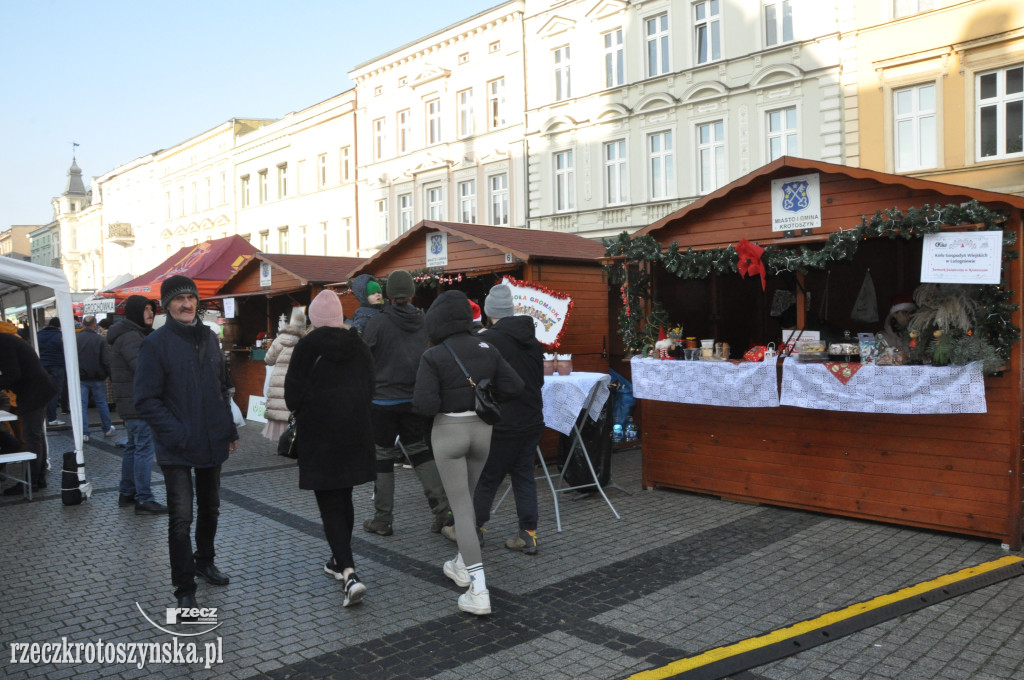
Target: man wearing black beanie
182,391
125,339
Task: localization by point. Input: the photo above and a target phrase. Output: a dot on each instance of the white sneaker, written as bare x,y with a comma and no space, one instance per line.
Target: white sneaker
110,432
55,422
85,437
456,571
475,603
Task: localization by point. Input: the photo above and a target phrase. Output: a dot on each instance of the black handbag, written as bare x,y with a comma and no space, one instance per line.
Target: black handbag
286,444
486,406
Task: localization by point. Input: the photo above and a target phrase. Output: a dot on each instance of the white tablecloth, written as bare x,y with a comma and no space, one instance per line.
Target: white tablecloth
886,389
566,395
750,384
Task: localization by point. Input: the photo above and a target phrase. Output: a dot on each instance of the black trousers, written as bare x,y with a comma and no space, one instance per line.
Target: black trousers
34,436
178,481
338,516
511,453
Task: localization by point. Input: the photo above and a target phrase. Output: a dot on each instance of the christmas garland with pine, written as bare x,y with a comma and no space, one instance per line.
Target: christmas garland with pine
632,272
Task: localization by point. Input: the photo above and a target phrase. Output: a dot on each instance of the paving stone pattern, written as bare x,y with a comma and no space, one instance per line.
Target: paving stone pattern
678,574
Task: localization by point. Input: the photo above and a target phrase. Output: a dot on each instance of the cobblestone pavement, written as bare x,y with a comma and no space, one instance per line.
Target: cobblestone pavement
678,574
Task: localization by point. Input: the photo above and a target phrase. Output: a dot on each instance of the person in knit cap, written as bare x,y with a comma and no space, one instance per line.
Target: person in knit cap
182,391
397,338
278,356
370,297
478,317
328,387
125,339
895,328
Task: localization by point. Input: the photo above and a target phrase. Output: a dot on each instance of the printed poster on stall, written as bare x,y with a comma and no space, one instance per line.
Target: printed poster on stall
548,308
796,203
437,249
962,257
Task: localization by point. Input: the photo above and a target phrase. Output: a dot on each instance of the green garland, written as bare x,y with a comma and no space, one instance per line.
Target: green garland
638,253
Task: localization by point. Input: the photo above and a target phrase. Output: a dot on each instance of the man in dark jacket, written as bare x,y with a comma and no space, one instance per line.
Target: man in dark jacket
514,440
182,391
51,354
93,369
371,301
22,373
125,339
396,339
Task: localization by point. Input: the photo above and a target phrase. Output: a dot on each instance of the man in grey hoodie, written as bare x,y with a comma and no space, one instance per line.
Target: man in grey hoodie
396,338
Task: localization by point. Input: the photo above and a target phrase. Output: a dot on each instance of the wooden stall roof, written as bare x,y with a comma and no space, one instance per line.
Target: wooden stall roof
526,245
289,272
742,208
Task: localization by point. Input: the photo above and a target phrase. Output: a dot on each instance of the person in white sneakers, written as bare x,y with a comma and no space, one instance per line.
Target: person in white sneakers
459,437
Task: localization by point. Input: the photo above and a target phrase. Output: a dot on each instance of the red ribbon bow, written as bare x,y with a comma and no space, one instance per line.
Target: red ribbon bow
750,260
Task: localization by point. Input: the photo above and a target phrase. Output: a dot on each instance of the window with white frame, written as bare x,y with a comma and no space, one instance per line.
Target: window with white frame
782,133
322,175
209,193
264,240
282,180
707,28
167,195
181,202
496,103
565,181
245,191
1000,123
903,8
435,203
778,22
302,240
264,186
346,164
382,219
404,130
710,156
223,187
379,138
467,202
561,74
405,214
433,121
282,240
615,172
914,127
656,32
195,197
614,59
497,188
465,100
323,234
661,165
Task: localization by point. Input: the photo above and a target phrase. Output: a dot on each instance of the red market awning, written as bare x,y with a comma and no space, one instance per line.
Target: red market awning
209,264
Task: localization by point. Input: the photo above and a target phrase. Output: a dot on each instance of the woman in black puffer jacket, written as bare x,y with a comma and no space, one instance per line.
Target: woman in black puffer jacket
328,387
459,438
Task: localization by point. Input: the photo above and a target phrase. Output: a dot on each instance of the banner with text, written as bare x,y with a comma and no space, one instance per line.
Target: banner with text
549,309
962,257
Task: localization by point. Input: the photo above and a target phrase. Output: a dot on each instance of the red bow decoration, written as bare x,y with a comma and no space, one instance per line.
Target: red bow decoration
750,259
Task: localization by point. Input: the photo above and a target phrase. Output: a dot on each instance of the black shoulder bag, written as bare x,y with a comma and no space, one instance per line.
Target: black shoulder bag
286,445
486,406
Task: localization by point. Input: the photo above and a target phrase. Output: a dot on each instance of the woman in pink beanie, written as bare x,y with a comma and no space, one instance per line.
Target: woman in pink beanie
328,388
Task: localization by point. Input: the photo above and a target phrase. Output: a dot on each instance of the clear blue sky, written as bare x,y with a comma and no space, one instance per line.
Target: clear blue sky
124,78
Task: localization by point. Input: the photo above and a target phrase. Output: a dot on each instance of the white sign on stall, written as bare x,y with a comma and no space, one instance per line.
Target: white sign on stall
229,308
265,274
796,203
100,306
962,257
549,312
437,249
257,406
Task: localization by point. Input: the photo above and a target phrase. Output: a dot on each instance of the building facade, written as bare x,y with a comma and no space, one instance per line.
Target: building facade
441,129
635,109
935,89
15,242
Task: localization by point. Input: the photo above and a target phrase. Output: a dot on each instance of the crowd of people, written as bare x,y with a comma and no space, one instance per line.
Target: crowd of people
391,385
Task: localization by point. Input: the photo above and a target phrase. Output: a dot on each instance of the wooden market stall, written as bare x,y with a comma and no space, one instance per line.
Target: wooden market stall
478,256
952,471
261,291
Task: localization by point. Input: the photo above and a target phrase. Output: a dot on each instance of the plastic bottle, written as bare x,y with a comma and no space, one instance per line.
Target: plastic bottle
617,433
630,432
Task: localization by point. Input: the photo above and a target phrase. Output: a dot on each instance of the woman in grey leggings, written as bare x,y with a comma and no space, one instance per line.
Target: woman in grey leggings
459,438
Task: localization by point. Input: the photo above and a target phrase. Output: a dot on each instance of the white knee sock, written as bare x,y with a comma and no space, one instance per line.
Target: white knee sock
476,577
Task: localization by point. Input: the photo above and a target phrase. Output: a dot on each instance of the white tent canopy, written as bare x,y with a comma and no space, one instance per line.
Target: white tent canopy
33,282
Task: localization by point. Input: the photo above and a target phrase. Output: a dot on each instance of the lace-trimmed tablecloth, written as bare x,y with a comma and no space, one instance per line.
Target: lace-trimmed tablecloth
886,389
566,395
748,384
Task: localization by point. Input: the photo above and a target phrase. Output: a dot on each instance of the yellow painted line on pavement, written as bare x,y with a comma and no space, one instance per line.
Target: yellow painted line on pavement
782,634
